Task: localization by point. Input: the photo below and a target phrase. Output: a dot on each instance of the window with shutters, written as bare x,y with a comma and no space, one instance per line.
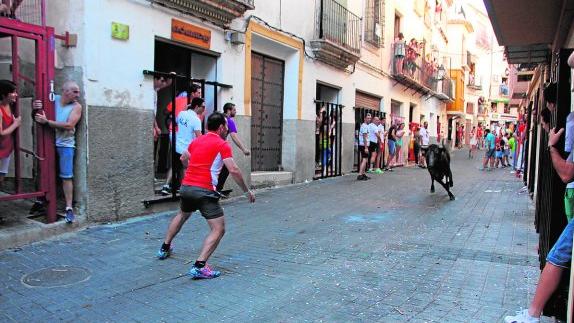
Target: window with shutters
374,22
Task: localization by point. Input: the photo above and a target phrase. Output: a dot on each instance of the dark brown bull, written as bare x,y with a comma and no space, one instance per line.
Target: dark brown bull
438,163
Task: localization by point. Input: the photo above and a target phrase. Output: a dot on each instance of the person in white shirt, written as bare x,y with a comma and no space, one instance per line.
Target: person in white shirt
425,141
374,138
364,147
188,129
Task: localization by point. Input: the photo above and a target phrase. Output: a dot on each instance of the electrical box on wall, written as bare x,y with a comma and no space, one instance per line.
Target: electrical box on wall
237,38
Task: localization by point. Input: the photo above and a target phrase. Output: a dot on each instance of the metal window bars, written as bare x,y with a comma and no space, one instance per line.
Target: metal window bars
328,139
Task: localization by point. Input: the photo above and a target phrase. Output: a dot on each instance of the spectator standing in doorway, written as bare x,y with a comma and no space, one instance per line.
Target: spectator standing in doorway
8,124
188,129
68,113
180,105
229,110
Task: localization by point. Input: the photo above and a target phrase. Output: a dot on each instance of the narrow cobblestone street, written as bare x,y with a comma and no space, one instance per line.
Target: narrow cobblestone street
334,250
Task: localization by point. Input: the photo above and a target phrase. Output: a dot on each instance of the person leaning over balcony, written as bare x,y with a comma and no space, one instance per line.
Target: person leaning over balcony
399,48
68,113
560,256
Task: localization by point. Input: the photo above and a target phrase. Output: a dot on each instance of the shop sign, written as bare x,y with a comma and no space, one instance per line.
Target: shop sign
120,31
494,116
190,34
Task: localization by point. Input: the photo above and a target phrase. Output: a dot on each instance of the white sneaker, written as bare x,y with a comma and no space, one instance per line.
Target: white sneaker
522,317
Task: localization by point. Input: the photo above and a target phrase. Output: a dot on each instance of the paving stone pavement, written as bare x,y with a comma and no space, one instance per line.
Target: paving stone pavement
335,250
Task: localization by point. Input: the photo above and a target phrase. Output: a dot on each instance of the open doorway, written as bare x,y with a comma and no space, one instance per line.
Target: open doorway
194,64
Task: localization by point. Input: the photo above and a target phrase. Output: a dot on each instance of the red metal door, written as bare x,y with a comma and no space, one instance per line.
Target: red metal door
41,79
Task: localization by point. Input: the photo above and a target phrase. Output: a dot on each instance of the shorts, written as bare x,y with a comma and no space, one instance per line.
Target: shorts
498,154
392,147
4,164
66,162
489,153
362,152
569,203
197,198
373,147
561,253
506,152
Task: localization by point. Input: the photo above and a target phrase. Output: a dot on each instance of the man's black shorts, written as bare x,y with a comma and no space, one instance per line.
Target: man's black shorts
373,147
362,152
196,198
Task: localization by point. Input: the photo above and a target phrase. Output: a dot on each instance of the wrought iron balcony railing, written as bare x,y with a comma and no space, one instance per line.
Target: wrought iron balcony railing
338,35
340,26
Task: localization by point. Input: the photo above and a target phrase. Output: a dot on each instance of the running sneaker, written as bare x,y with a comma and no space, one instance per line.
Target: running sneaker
370,170
70,217
378,171
163,254
522,317
203,273
165,190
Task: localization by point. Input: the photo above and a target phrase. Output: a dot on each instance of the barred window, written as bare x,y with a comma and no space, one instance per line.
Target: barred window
374,22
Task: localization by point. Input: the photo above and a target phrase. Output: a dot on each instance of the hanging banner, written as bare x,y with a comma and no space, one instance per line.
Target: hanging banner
190,34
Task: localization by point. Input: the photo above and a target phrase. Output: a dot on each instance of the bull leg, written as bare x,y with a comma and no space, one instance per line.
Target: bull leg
432,185
447,188
450,181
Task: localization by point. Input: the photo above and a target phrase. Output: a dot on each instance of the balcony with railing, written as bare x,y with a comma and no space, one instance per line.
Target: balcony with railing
474,82
218,12
426,77
338,35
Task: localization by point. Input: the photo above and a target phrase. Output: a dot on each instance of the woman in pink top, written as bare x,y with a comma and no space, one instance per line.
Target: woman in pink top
8,124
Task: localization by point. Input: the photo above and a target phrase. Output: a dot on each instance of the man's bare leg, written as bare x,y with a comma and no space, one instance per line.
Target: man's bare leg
217,227
68,187
175,225
549,280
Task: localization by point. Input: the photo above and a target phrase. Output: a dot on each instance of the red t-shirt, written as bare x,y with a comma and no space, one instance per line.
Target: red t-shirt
206,160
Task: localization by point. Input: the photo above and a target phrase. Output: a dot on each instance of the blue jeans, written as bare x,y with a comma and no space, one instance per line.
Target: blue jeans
66,162
561,253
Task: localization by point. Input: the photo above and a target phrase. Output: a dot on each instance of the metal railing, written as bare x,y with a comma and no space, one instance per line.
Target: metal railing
420,70
474,82
339,25
446,87
31,12
328,139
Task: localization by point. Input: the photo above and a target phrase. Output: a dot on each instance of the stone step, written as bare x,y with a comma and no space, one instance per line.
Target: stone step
270,179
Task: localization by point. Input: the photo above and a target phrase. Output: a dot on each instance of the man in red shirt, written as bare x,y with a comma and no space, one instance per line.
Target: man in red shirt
205,157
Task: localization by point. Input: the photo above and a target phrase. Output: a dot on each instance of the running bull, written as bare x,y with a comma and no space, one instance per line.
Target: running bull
438,163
